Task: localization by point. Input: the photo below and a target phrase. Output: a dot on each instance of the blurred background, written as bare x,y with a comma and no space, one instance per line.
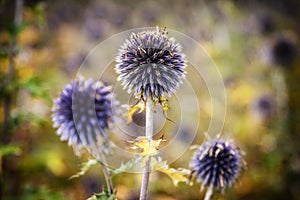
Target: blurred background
254,44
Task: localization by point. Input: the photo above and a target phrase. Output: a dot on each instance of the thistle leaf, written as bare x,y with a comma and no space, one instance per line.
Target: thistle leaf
140,107
85,167
126,166
177,175
104,195
146,146
10,150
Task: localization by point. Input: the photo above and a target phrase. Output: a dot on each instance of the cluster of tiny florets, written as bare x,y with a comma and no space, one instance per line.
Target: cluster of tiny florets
150,64
217,163
82,112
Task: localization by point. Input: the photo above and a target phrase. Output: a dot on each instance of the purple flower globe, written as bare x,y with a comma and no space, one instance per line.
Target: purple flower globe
150,64
217,163
82,113
284,50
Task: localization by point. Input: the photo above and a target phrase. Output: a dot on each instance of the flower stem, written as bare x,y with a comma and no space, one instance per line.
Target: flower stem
107,175
149,135
209,192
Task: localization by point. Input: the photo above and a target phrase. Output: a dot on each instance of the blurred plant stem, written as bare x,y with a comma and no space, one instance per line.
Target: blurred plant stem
149,135
107,175
290,139
11,73
7,101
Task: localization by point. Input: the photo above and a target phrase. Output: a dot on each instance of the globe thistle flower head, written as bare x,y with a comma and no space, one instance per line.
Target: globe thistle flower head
283,51
266,23
150,64
265,107
81,113
217,163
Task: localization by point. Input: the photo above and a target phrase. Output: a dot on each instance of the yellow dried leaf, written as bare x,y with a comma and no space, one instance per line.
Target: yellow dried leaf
177,175
164,103
132,109
146,146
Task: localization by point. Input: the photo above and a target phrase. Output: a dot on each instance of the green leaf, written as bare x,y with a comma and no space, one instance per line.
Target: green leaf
4,52
39,13
126,166
104,195
36,88
14,29
85,167
10,150
40,192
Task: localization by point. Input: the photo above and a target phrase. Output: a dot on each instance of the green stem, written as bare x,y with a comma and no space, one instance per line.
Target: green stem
288,141
107,175
149,135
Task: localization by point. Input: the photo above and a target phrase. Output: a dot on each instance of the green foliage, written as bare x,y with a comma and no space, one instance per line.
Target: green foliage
10,150
177,175
104,195
8,89
85,167
42,192
35,86
39,13
128,165
4,52
15,29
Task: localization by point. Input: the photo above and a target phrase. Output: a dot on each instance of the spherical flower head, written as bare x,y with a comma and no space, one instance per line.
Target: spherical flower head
284,50
150,64
266,24
217,163
81,113
265,106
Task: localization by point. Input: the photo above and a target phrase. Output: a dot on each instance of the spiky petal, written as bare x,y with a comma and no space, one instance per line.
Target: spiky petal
150,64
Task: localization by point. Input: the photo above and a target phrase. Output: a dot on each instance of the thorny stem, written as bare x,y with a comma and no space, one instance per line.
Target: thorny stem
107,175
149,135
209,192
5,137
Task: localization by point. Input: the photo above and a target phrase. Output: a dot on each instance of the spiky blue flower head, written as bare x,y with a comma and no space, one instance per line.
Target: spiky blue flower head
150,64
82,112
217,163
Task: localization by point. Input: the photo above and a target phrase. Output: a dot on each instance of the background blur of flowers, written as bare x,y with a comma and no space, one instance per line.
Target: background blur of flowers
255,46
